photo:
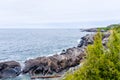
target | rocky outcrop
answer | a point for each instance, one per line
(105, 38)
(9, 69)
(68, 58)
(56, 63)
(89, 39)
(86, 40)
(92, 30)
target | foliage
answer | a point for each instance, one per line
(113, 26)
(100, 63)
(104, 28)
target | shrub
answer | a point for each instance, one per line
(100, 63)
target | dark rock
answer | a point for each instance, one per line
(104, 41)
(86, 40)
(106, 35)
(102, 30)
(89, 39)
(93, 30)
(54, 64)
(105, 38)
(9, 69)
(68, 58)
(90, 30)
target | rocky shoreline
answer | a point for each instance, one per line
(68, 58)
(92, 30)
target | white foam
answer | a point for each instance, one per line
(78, 41)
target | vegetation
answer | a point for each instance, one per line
(109, 27)
(100, 63)
(105, 28)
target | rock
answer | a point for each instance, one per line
(68, 58)
(105, 38)
(104, 41)
(54, 64)
(9, 69)
(89, 39)
(90, 30)
(93, 30)
(102, 30)
(106, 35)
(86, 40)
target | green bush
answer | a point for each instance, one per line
(100, 63)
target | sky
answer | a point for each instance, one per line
(35, 13)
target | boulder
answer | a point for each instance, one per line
(86, 40)
(9, 69)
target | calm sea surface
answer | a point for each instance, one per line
(23, 44)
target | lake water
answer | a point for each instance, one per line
(23, 44)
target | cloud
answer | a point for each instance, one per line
(18, 12)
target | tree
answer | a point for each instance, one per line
(100, 63)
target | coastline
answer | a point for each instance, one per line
(63, 61)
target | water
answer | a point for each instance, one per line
(23, 44)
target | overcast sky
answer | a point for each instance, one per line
(19, 13)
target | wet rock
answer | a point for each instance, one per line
(9, 69)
